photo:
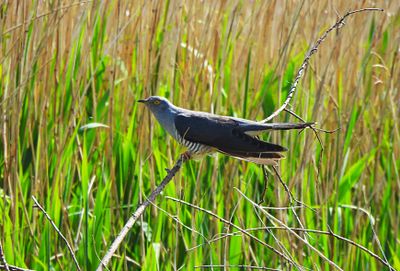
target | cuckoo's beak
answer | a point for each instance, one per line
(142, 101)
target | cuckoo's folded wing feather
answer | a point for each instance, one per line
(222, 133)
(251, 127)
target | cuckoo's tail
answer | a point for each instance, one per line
(256, 129)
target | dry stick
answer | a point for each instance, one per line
(14, 268)
(3, 259)
(8, 267)
(265, 174)
(278, 242)
(272, 218)
(291, 198)
(328, 233)
(290, 194)
(58, 231)
(315, 130)
(313, 50)
(223, 220)
(371, 222)
(140, 210)
(383, 261)
(176, 219)
(241, 266)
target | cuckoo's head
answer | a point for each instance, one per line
(156, 104)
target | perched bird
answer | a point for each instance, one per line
(205, 133)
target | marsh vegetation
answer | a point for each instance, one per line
(65, 64)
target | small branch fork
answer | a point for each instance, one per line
(13, 268)
(8, 267)
(243, 231)
(306, 60)
(58, 231)
(339, 23)
(140, 210)
(328, 233)
(3, 262)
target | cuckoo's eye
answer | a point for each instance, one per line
(156, 102)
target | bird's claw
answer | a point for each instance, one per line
(186, 156)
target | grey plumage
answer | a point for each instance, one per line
(204, 133)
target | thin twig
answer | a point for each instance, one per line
(223, 220)
(58, 231)
(176, 219)
(331, 233)
(140, 210)
(315, 130)
(272, 218)
(290, 194)
(241, 266)
(265, 174)
(327, 131)
(372, 223)
(13, 268)
(328, 233)
(339, 23)
(3, 259)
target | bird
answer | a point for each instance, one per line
(205, 133)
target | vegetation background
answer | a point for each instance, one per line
(68, 63)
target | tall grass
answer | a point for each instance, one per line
(65, 64)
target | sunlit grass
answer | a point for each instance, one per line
(65, 65)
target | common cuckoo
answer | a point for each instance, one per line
(205, 133)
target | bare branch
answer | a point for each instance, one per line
(265, 174)
(140, 210)
(58, 231)
(3, 259)
(339, 23)
(289, 193)
(272, 218)
(241, 266)
(13, 268)
(178, 221)
(331, 233)
(223, 220)
(328, 233)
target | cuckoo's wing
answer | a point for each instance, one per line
(222, 133)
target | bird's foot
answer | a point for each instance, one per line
(186, 156)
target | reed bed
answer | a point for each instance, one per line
(65, 64)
